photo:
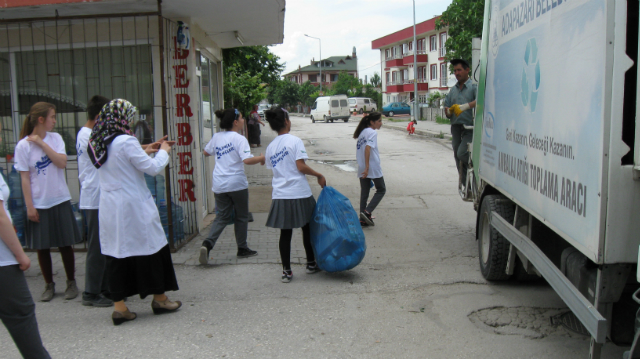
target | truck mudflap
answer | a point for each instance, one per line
(593, 321)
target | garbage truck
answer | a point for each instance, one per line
(554, 171)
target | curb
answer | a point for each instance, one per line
(425, 133)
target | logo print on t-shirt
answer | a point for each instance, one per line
(42, 165)
(221, 151)
(79, 150)
(278, 157)
(361, 142)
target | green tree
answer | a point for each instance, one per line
(285, 93)
(434, 97)
(306, 93)
(375, 80)
(347, 85)
(255, 60)
(464, 19)
(242, 90)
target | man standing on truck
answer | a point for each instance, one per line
(458, 104)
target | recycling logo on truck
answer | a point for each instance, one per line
(530, 76)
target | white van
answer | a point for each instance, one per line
(329, 108)
(361, 104)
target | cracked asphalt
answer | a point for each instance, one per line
(417, 294)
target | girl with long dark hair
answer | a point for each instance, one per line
(369, 165)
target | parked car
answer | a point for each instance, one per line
(263, 107)
(361, 104)
(329, 108)
(396, 108)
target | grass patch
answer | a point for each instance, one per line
(442, 120)
(441, 135)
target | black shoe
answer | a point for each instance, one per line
(312, 268)
(363, 223)
(287, 276)
(95, 300)
(366, 217)
(246, 252)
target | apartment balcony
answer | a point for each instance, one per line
(421, 57)
(395, 86)
(394, 61)
(408, 85)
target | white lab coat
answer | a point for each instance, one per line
(129, 219)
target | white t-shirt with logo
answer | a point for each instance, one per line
(87, 173)
(368, 137)
(229, 149)
(6, 256)
(281, 156)
(48, 182)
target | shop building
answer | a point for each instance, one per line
(163, 56)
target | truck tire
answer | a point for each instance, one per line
(493, 248)
(313, 120)
(346, 120)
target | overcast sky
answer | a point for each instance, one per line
(343, 24)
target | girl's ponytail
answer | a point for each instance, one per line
(366, 122)
(39, 109)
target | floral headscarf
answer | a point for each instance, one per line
(114, 120)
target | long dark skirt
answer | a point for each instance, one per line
(254, 134)
(143, 275)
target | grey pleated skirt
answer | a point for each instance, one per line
(290, 213)
(57, 228)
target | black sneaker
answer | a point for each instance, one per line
(312, 268)
(246, 252)
(204, 254)
(95, 300)
(286, 276)
(366, 217)
(363, 223)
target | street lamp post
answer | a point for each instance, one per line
(415, 67)
(320, 41)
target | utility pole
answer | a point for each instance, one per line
(415, 67)
(320, 41)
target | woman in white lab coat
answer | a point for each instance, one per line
(131, 235)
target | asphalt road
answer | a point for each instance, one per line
(417, 294)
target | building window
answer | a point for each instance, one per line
(334, 77)
(443, 39)
(313, 78)
(434, 72)
(434, 43)
(387, 77)
(386, 53)
(394, 76)
(405, 75)
(443, 74)
(410, 45)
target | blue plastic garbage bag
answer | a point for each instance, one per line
(336, 234)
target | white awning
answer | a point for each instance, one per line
(258, 22)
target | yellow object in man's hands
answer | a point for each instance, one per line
(458, 109)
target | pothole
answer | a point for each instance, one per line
(530, 322)
(347, 166)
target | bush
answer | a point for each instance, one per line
(442, 120)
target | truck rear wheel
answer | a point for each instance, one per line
(313, 120)
(493, 248)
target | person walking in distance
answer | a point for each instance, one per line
(230, 185)
(17, 309)
(131, 235)
(457, 106)
(95, 283)
(41, 158)
(292, 202)
(369, 168)
(254, 127)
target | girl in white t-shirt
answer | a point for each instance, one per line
(230, 186)
(17, 310)
(369, 169)
(40, 157)
(292, 202)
